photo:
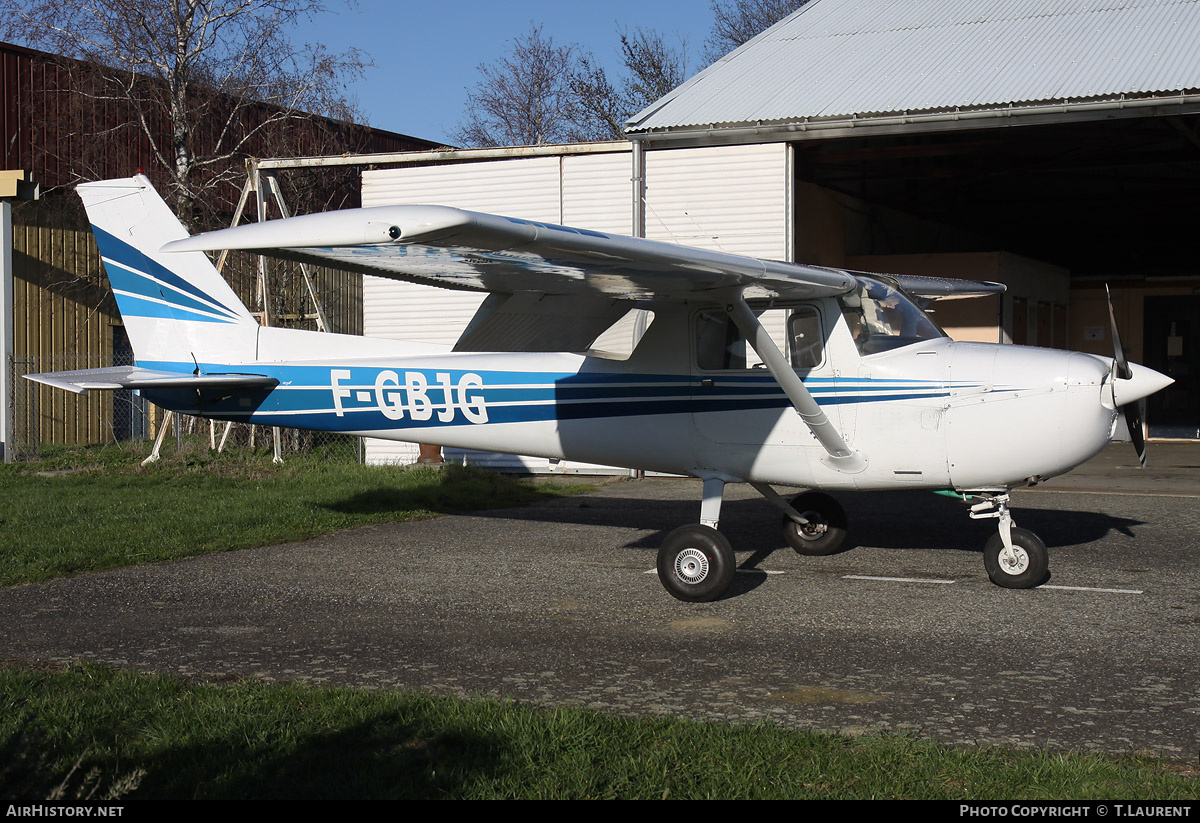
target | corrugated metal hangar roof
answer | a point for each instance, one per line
(841, 59)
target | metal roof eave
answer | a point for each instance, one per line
(444, 155)
(857, 125)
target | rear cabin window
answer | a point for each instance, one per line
(622, 337)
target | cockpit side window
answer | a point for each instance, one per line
(881, 317)
(796, 331)
(808, 343)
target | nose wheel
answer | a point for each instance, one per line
(1015, 558)
(1021, 565)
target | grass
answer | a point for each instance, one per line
(92, 730)
(79, 510)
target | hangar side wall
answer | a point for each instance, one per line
(729, 198)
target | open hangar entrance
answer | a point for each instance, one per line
(1112, 201)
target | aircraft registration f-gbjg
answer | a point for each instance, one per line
(750, 370)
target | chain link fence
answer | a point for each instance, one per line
(44, 416)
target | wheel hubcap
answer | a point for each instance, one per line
(1014, 560)
(815, 528)
(691, 565)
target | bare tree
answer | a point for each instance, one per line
(600, 103)
(541, 92)
(525, 98)
(652, 68)
(736, 21)
(655, 67)
(202, 81)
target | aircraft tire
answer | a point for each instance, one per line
(696, 563)
(827, 527)
(1027, 570)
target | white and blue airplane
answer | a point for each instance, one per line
(751, 370)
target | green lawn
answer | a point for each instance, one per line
(90, 729)
(81, 510)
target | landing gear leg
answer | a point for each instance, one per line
(1015, 558)
(696, 562)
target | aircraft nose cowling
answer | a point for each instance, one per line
(1087, 369)
(1143, 383)
(1038, 418)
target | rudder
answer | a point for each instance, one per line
(179, 312)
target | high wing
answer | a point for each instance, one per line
(459, 249)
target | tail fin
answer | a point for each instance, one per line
(179, 312)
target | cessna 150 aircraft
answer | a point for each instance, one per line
(862, 390)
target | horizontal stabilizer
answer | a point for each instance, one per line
(81, 381)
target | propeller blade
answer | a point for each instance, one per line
(1121, 371)
(1120, 364)
(1133, 419)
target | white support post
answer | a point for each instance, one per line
(6, 330)
(260, 204)
(13, 185)
(158, 441)
(638, 179)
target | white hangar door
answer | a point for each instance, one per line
(732, 198)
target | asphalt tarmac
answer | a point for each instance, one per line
(558, 604)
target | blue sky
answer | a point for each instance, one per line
(426, 55)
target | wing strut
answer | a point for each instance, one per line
(840, 455)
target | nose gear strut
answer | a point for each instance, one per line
(1015, 558)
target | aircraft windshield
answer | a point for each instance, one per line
(882, 318)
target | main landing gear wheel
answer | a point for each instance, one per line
(1025, 567)
(696, 563)
(826, 527)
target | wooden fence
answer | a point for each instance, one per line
(65, 317)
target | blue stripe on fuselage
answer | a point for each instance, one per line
(360, 398)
